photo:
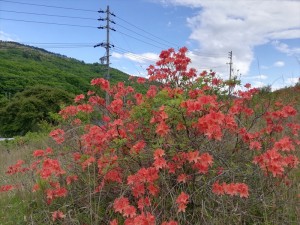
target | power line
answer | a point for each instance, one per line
(48, 6)
(52, 23)
(52, 45)
(60, 43)
(147, 32)
(130, 60)
(143, 35)
(85, 18)
(44, 14)
(139, 39)
(83, 26)
(46, 47)
(134, 55)
(131, 64)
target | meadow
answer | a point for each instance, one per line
(183, 152)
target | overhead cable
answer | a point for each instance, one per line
(48, 6)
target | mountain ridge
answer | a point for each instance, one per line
(35, 83)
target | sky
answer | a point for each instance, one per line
(263, 35)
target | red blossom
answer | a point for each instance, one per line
(153, 189)
(113, 222)
(138, 98)
(217, 188)
(58, 135)
(50, 167)
(68, 111)
(38, 153)
(86, 108)
(88, 162)
(158, 153)
(255, 145)
(57, 192)
(71, 179)
(104, 84)
(96, 101)
(17, 168)
(116, 106)
(138, 147)
(182, 201)
(231, 189)
(160, 163)
(284, 144)
(129, 211)
(57, 215)
(90, 93)
(78, 98)
(5, 188)
(162, 129)
(182, 178)
(143, 202)
(172, 222)
(141, 80)
(35, 187)
(152, 91)
(120, 204)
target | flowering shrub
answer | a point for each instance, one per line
(182, 153)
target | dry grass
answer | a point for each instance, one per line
(20, 148)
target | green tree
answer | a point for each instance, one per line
(27, 109)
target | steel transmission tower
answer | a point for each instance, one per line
(107, 45)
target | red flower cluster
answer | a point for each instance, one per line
(6, 188)
(182, 201)
(140, 150)
(17, 168)
(122, 206)
(231, 189)
(102, 83)
(58, 135)
(57, 192)
(57, 215)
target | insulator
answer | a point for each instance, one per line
(97, 45)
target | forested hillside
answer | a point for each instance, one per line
(35, 82)
(25, 66)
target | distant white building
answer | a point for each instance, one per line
(3, 139)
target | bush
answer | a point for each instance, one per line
(183, 153)
(27, 109)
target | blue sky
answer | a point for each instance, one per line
(264, 35)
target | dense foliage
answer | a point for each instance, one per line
(24, 67)
(183, 153)
(27, 109)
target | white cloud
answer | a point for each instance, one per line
(258, 77)
(284, 48)
(117, 55)
(239, 25)
(279, 64)
(264, 67)
(292, 80)
(258, 84)
(7, 37)
(281, 82)
(139, 58)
